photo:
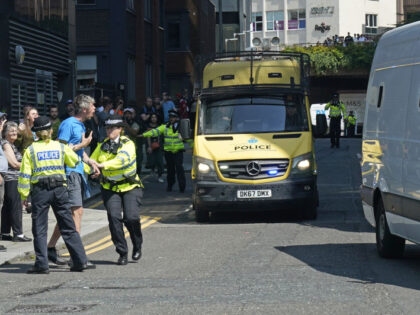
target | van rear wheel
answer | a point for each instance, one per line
(388, 245)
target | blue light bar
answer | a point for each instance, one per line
(273, 172)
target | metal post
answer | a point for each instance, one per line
(19, 101)
(220, 26)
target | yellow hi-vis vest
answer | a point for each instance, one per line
(43, 159)
(336, 110)
(118, 167)
(172, 140)
(351, 121)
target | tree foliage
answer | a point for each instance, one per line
(334, 59)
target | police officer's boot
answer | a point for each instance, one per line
(122, 260)
(54, 258)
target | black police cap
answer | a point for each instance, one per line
(173, 113)
(41, 123)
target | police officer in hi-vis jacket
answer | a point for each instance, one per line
(42, 169)
(121, 187)
(337, 111)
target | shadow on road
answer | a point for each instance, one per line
(355, 261)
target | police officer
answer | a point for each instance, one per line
(121, 187)
(351, 124)
(337, 111)
(43, 168)
(173, 148)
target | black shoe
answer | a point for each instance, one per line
(29, 209)
(21, 239)
(6, 237)
(122, 260)
(54, 258)
(37, 270)
(87, 265)
(2, 248)
(168, 188)
(136, 254)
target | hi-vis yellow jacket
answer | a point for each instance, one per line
(120, 167)
(172, 140)
(336, 110)
(43, 159)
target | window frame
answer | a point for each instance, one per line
(256, 22)
(272, 20)
(299, 19)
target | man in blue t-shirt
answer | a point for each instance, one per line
(72, 132)
(167, 105)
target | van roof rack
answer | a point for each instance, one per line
(301, 58)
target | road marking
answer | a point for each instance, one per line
(96, 204)
(145, 221)
(126, 234)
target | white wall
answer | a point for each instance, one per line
(346, 16)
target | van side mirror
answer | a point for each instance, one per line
(184, 129)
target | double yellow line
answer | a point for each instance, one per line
(107, 242)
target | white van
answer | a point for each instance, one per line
(391, 141)
(320, 109)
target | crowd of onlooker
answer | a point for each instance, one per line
(347, 40)
(17, 136)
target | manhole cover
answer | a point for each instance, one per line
(50, 308)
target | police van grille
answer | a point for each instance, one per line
(237, 169)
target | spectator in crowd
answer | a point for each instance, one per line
(362, 38)
(154, 148)
(103, 116)
(167, 105)
(132, 128)
(11, 214)
(55, 121)
(3, 169)
(348, 40)
(25, 134)
(183, 109)
(69, 110)
(148, 109)
(119, 105)
(157, 104)
(72, 131)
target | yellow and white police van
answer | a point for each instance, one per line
(253, 148)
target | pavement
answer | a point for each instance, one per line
(93, 220)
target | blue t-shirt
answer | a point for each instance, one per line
(71, 131)
(167, 106)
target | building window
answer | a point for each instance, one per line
(149, 79)
(130, 5)
(148, 9)
(131, 78)
(257, 21)
(371, 24)
(296, 19)
(275, 20)
(174, 35)
(86, 2)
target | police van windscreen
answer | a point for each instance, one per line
(253, 115)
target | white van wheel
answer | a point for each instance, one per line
(388, 245)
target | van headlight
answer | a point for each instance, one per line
(303, 165)
(204, 169)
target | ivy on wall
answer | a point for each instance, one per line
(334, 59)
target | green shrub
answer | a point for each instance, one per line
(334, 59)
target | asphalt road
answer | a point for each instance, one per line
(260, 263)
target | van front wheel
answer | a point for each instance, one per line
(388, 245)
(201, 215)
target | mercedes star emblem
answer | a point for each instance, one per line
(253, 168)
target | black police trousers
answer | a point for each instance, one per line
(350, 130)
(58, 198)
(124, 207)
(335, 130)
(174, 164)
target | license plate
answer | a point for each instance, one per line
(263, 193)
